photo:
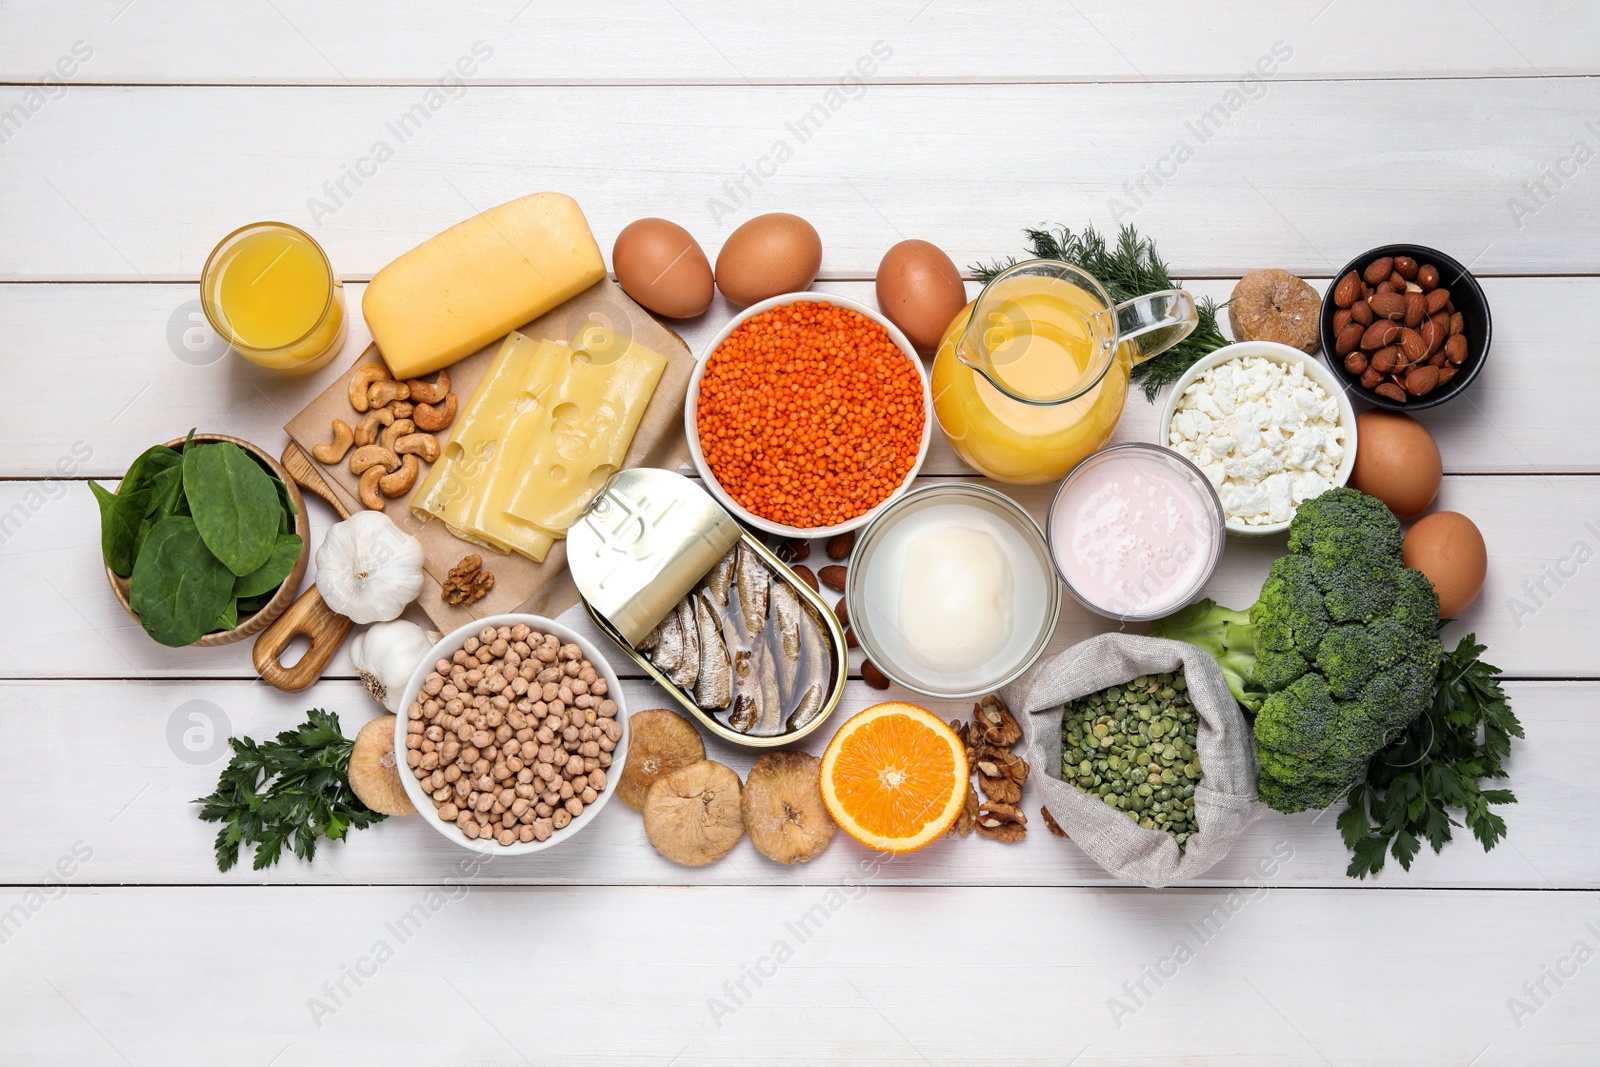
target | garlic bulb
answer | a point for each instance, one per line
(386, 653)
(368, 568)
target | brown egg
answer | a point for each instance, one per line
(662, 266)
(920, 290)
(1448, 548)
(1396, 461)
(767, 256)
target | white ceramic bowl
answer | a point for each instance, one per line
(692, 401)
(1314, 369)
(444, 648)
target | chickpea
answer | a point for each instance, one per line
(589, 749)
(561, 818)
(524, 790)
(542, 809)
(471, 831)
(448, 811)
(440, 795)
(588, 796)
(452, 773)
(429, 761)
(484, 802)
(484, 782)
(603, 760)
(597, 779)
(433, 683)
(413, 758)
(542, 829)
(566, 791)
(598, 688)
(520, 805)
(608, 708)
(574, 805)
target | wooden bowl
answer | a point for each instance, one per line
(251, 624)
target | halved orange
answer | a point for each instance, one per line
(895, 777)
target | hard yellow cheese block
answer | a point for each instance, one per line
(479, 280)
(544, 429)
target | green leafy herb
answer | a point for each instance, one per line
(1435, 767)
(270, 575)
(234, 505)
(125, 512)
(293, 791)
(1130, 268)
(179, 589)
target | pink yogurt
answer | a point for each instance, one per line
(1135, 531)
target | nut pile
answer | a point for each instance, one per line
(512, 735)
(1001, 772)
(394, 435)
(1133, 746)
(1397, 329)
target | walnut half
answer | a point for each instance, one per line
(467, 581)
(1002, 822)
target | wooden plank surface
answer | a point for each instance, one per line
(859, 974)
(187, 166)
(160, 744)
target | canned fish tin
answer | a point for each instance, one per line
(706, 610)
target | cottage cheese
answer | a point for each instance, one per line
(1265, 434)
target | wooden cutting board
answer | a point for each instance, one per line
(520, 583)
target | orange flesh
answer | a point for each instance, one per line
(893, 775)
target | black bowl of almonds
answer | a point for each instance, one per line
(1407, 326)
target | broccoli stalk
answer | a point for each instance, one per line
(1336, 658)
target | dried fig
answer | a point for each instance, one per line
(1274, 305)
(782, 807)
(375, 772)
(661, 742)
(692, 815)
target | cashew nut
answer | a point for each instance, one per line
(424, 445)
(430, 394)
(363, 379)
(402, 409)
(332, 453)
(368, 456)
(397, 483)
(383, 394)
(367, 429)
(394, 431)
(433, 419)
(370, 497)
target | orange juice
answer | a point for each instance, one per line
(269, 290)
(1043, 337)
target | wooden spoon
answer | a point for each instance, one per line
(309, 616)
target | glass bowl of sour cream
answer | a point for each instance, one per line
(1135, 531)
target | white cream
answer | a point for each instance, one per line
(956, 593)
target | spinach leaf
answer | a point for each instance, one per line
(166, 493)
(179, 588)
(249, 605)
(286, 520)
(120, 517)
(229, 617)
(234, 505)
(270, 575)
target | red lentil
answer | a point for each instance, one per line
(810, 414)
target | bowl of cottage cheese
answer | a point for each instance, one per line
(1268, 425)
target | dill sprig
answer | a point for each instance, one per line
(1129, 269)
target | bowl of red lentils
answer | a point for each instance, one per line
(808, 414)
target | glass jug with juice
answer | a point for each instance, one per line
(1031, 377)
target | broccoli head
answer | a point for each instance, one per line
(1337, 656)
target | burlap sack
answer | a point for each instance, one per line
(1225, 801)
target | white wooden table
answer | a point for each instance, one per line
(134, 133)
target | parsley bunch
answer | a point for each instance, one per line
(1435, 766)
(1131, 268)
(294, 791)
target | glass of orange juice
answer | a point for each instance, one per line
(1030, 378)
(270, 292)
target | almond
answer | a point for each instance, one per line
(1380, 333)
(1457, 326)
(1341, 319)
(1406, 266)
(1432, 336)
(1397, 280)
(841, 613)
(1455, 349)
(1370, 378)
(1416, 309)
(1355, 363)
(1428, 277)
(1437, 359)
(1384, 360)
(1348, 291)
(1392, 391)
(1348, 340)
(1412, 344)
(1446, 372)
(1437, 299)
(833, 577)
(1421, 380)
(1379, 270)
(1388, 306)
(873, 676)
(839, 545)
(1362, 313)
(805, 574)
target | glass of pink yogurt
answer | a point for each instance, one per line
(1135, 530)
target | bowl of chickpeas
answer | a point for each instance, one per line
(513, 729)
